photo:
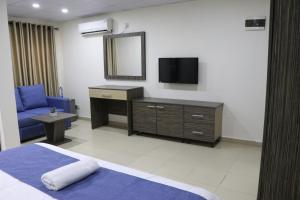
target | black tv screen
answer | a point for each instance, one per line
(178, 70)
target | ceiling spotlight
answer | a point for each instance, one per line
(64, 10)
(36, 5)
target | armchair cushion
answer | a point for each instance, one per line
(33, 96)
(24, 119)
(42, 111)
(59, 103)
(20, 107)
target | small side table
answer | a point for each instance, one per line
(55, 127)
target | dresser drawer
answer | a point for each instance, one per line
(198, 114)
(108, 94)
(203, 132)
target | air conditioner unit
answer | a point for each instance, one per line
(101, 26)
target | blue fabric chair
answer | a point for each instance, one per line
(32, 101)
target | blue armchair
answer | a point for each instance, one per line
(32, 101)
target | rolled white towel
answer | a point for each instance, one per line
(69, 174)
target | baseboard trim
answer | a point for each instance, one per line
(84, 118)
(239, 141)
(117, 125)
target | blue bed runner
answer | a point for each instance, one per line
(29, 163)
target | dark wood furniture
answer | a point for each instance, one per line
(55, 127)
(111, 99)
(192, 120)
(280, 164)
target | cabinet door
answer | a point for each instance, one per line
(170, 120)
(144, 117)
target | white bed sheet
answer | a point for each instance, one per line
(119, 168)
(13, 189)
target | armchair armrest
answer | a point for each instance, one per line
(58, 102)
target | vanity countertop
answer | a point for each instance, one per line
(179, 102)
(115, 87)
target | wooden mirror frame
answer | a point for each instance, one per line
(143, 56)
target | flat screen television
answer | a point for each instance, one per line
(178, 70)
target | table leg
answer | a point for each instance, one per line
(129, 118)
(55, 132)
(99, 112)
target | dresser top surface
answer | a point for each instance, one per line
(180, 102)
(115, 87)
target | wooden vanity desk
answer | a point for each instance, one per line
(112, 99)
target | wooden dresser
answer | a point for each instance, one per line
(191, 120)
(111, 99)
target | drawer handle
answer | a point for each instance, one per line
(106, 96)
(151, 106)
(160, 107)
(197, 133)
(198, 116)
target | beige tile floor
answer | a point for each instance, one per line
(230, 170)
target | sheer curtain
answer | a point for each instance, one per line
(33, 55)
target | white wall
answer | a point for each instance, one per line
(233, 62)
(9, 132)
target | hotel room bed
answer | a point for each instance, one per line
(110, 182)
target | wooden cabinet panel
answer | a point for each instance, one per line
(280, 163)
(144, 117)
(170, 120)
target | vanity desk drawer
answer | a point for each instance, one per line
(108, 94)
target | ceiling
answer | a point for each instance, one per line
(51, 9)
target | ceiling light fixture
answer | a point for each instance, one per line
(64, 10)
(36, 5)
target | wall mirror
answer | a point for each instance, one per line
(125, 56)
